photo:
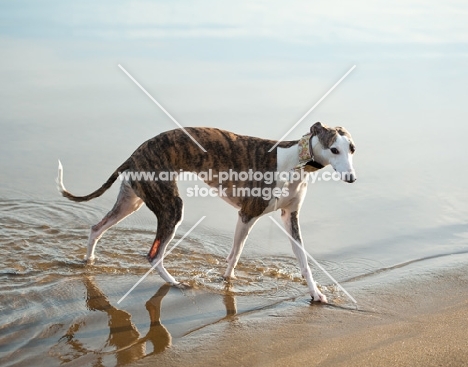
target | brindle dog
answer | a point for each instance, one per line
(174, 151)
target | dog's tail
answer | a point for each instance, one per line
(94, 194)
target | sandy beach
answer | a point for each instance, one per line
(414, 323)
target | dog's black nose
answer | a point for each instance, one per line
(351, 178)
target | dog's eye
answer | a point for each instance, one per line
(352, 148)
(335, 151)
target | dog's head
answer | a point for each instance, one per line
(334, 146)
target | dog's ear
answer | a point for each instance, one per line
(316, 128)
(342, 131)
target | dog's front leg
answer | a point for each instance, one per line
(243, 228)
(291, 223)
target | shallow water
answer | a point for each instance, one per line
(63, 96)
(55, 309)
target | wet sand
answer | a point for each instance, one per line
(418, 321)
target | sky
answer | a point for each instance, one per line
(300, 21)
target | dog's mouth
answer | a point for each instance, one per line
(348, 177)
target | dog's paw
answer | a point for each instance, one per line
(229, 275)
(88, 261)
(181, 285)
(319, 297)
(229, 278)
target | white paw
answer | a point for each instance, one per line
(180, 285)
(319, 297)
(89, 260)
(229, 278)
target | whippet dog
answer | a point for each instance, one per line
(174, 151)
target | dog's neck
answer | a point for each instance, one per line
(307, 157)
(301, 155)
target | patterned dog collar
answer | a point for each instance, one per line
(305, 155)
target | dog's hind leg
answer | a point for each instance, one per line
(242, 231)
(127, 202)
(169, 217)
(291, 223)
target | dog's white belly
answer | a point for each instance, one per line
(296, 194)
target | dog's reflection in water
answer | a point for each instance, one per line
(229, 302)
(123, 334)
(157, 334)
(125, 341)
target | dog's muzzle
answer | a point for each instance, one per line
(350, 178)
